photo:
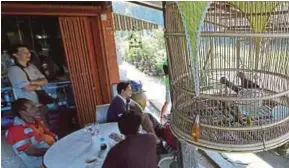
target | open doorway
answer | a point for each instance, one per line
(140, 46)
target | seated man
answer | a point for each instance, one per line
(122, 103)
(136, 150)
(28, 135)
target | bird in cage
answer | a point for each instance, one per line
(233, 75)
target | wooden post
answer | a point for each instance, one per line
(109, 42)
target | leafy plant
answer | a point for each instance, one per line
(151, 53)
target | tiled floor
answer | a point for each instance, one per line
(8, 158)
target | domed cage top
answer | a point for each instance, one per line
(232, 72)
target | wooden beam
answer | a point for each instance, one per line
(109, 48)
(247, 26)
(231, 15)
(283, 25)
(217, 24)
(230, 34)
(233, 12)
(267, 29)
(225, 7)
(49, 10)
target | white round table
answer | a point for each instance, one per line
(73, 150)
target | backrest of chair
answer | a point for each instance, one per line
(101, 113)
(114, 90)
(166, 162)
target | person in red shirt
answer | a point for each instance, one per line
(136, 150)
(29, 137)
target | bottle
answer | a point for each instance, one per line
(7, 98)
(60, 98)
(103, 149)
(6, 60)
(196, 128)
(3, 103)
(64, 100)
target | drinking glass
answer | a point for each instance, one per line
(97, 129)
(90, 129)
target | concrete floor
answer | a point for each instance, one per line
(155, 88)
(274, 160)
(8, 158)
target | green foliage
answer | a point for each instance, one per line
(151, 53)
(134, 54)
(160, 61)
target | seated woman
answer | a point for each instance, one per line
(28, 136)
(136, 150)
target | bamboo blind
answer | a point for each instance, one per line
(79, 50)
(122, 22)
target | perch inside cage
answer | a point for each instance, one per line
(231, 71)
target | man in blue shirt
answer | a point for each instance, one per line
(120, 103)
(22, 86)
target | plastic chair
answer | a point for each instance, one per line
(101, 113)
(168, 160)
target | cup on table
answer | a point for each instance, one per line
(96, 126)
(91, 129)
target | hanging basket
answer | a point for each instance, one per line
(232, 70)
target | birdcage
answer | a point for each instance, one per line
(229, 69)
